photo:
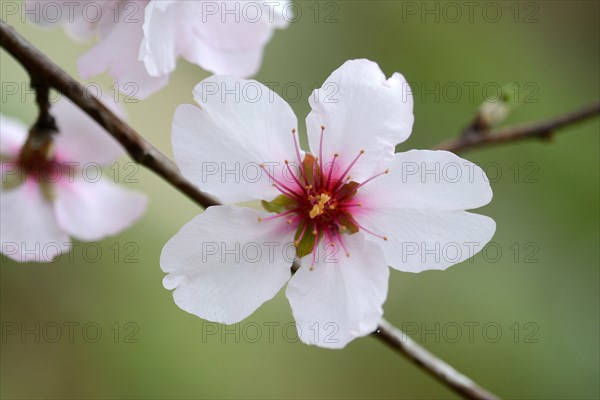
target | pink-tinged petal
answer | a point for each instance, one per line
(118, 52)
(342, 298)
(224, 263)
(420, 239)
(13, 134)
(82, 140)
(229, 38)
(28, 227)
(427, 179)
(93, 210)
(241, 125)
(360, 110)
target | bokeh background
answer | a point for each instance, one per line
(541, 290)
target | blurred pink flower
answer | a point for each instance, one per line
(45, 198)
(141, 40)
(347, 211)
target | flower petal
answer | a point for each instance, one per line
(360, 110)
(227, 39)
(232, 44)
(420, 240)
(419, 206)
(13, 134)
(28, 227)
(342, 298)
(224, 263)
(82, 140)
(118, 52)
(241, 62)
(241, 125)
(428, 179)
(165, 27)
(93, 210)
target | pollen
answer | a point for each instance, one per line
(318, 208)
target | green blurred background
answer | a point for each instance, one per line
(541, 291)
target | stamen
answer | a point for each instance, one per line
(283, 214)
(348, 169)
(277, 182)
(364, 183)
(297, 147)
(329, 238)
(350, 205)
(315, 246)
(297, 241)
(315, 182)
(368, 231)
(321, 149)
(373, 177)
(331, 171)
(288, 194)
(339, 238)
(287, 164)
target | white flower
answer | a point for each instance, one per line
(349, 210)
(50, 194)
(141, 40)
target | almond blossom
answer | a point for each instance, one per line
(348, 209)
(141, 40)
(50, 193)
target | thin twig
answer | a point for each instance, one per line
(400, 342)
(539, 130)
(42, 69)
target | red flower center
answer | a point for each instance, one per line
(319, 200)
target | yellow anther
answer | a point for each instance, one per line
(320, 207)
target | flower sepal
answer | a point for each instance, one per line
(279, 204)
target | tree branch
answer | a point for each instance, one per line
(436, 367)
(543, 130)
(43, 71)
